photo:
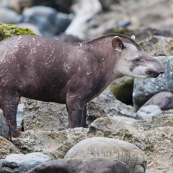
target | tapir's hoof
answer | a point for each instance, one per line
(17, 133)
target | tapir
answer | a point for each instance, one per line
(44, 69)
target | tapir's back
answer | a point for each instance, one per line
(33, 65)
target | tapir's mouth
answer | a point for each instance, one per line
(154, 74)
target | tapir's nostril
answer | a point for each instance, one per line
(152, 73)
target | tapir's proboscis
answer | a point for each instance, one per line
(73, 74)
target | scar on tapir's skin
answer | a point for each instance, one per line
(53, 71)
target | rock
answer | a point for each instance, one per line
(84, 10)
(48, 21)
(145, 34)
(122, 89)
(6, 148)
(9, 16)
(113, 107)
(162, 99)
(106, 5)
(53, 143)
(144, 89)
(44, 116)
(94, 165)
(17, 5)
(29, 26)
(147, 112)
(100, 147)
(8, 30)
(3, 126)
(158, 46)
(21, 163)
(59, 5)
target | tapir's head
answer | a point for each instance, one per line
(132, 61)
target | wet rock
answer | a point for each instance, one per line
(122, 89)
(96, 165)
(3, 126)
(46, 19)
(84, 11)
(8, 30)
(9, 16)
(21, 163)
(147, 112)
(53, 143)
(158, 45)
(6, 148)
(162, 99)
(144, 89)
(110, 148)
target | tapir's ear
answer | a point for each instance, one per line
(117, 44)
(133, 37)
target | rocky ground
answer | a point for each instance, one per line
(44, 124)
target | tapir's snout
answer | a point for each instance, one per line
(155, 72)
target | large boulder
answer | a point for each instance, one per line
(144, 89)
(158, 46)
(53, 143)
(100, 147)
(23, 162)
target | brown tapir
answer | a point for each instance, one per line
(53, 71)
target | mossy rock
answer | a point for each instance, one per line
(123, 31)
(122, 89)
(9, 30)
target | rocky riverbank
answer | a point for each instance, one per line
(137, 119)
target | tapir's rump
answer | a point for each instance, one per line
(44, 69)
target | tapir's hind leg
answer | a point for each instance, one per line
(9, 102)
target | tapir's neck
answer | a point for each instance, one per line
(102, 51)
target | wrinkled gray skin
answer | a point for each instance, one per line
(93, 165)
(44, 69)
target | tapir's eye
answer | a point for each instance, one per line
(137, 60)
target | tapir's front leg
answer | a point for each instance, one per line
(76, 108)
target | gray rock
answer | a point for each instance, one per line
(52, 143)
(147, 112)
(48, 21)
(144, 89)
(100, 147)
(9, 16)
(20, 163)
(158, 46)
(113, 107)
(94, 165)
(162, 99)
